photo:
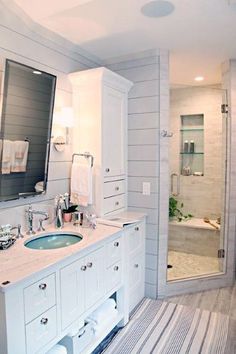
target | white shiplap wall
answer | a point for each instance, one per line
(28, 43)
(143, 69)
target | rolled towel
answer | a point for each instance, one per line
(103, 311)
(98, 328)
(57, 349)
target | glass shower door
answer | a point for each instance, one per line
(197, 188)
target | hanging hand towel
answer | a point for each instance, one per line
(19, 156)
(7, 156)
(81, 183)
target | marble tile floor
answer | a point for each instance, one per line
(186, 265)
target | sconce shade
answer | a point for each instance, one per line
(65, 117)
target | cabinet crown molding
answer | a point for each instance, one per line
(101, 75)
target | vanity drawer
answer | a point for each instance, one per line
(41, 330)
(114, 203)
(114, 276)
(39, 297)
(113, 251)
(114, 188)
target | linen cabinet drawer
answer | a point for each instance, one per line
(114, 276)
(114, 188)
(41, 330)
(114, 203)
(39, 297)
(113, 251)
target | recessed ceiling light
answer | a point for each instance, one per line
(157, 8)
(199, 78)
(36, 72)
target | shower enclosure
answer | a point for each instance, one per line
(197, 166)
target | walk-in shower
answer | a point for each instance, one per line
(197, 182)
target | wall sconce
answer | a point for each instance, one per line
(64, 118)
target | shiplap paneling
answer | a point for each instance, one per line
(143, 146)
(28, 43)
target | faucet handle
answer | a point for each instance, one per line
(19, 234)
(41, 228)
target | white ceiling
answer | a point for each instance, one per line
(200, 34)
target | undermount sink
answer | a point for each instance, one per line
(53, 240)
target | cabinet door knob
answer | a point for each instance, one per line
(136, 265)
(117, 188)
(83, 268)
(89, 265)
(117, 203)
(107, 169)
(116, 268)
(136, 228)
(116, 244)
(42, 286)
(44, 321)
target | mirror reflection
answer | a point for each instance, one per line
(27, 105)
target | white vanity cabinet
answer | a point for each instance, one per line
(82, 285)
(135, 260)
(100, 99)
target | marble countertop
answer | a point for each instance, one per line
(19, 262)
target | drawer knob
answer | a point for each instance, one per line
(44, 321)
(116, 244)
(107, 169)
(83, 268)
(136, 265)
(116, 268)
(117, 188)
(89, 265)
(117, 203)
(136, 228)
(42, 286)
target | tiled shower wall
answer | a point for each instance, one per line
(148, 71)
(201, 196)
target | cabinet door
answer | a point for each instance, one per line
(114, 111)
(94, 277)
(72, 292)
(136, 279)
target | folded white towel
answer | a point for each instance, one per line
(81, 183)
(57, 349)
(103, 311)
(7, 156)
(19, 156)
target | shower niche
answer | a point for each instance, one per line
(192, 145)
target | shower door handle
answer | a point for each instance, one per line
(172, 184)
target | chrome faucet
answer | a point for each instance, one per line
(59, 202)
(30, 213)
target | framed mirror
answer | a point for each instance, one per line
(26, 122)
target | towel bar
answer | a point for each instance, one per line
(87, 155)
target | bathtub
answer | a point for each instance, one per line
(194, 236)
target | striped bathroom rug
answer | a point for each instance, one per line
(161, 327)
